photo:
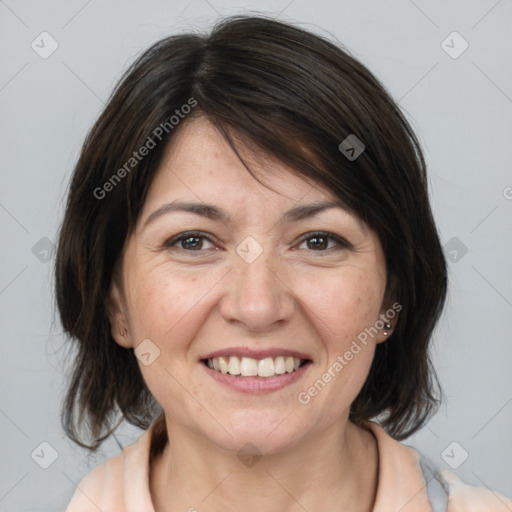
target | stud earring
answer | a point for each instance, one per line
(122, 332)
(387, 326)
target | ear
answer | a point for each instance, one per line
(117, 314)
(389, 313)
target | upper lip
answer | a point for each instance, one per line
(256, 353)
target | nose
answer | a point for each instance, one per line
(258, 295)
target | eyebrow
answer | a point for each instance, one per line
(215, 213)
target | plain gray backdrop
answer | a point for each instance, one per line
(448, 65)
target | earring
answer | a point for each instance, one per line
(387, 326)
(122, 332)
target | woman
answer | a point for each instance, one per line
(250, 268)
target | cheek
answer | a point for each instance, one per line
(345, 304)
(170, 305)
(170, 308)
(341, 309)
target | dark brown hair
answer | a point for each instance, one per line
(295, 96)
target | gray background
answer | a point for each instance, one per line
(460, 107)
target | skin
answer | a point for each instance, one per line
(189, 302)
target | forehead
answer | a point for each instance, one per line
(199, 164)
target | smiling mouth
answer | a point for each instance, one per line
(249, 367)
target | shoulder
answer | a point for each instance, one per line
(410, 480)
(467, 498)
(119, 480)
(101, 488)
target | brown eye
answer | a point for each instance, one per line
(317, 242)
(192, 242)
(189, 242)
(320, 242)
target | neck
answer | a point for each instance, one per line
(334, 470)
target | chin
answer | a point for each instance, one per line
(264, 434)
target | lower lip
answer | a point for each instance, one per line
(257, 384)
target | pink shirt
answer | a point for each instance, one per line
(121, 484)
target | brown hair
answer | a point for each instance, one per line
(296, 96)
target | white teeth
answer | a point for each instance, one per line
(249, 367)
(223, 364)
(234, 366)
(279, 366)
(266, 367)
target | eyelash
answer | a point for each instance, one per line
(342, 244)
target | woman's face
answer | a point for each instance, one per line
(257, 281)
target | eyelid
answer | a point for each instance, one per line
(342, 243)
(171, 242)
